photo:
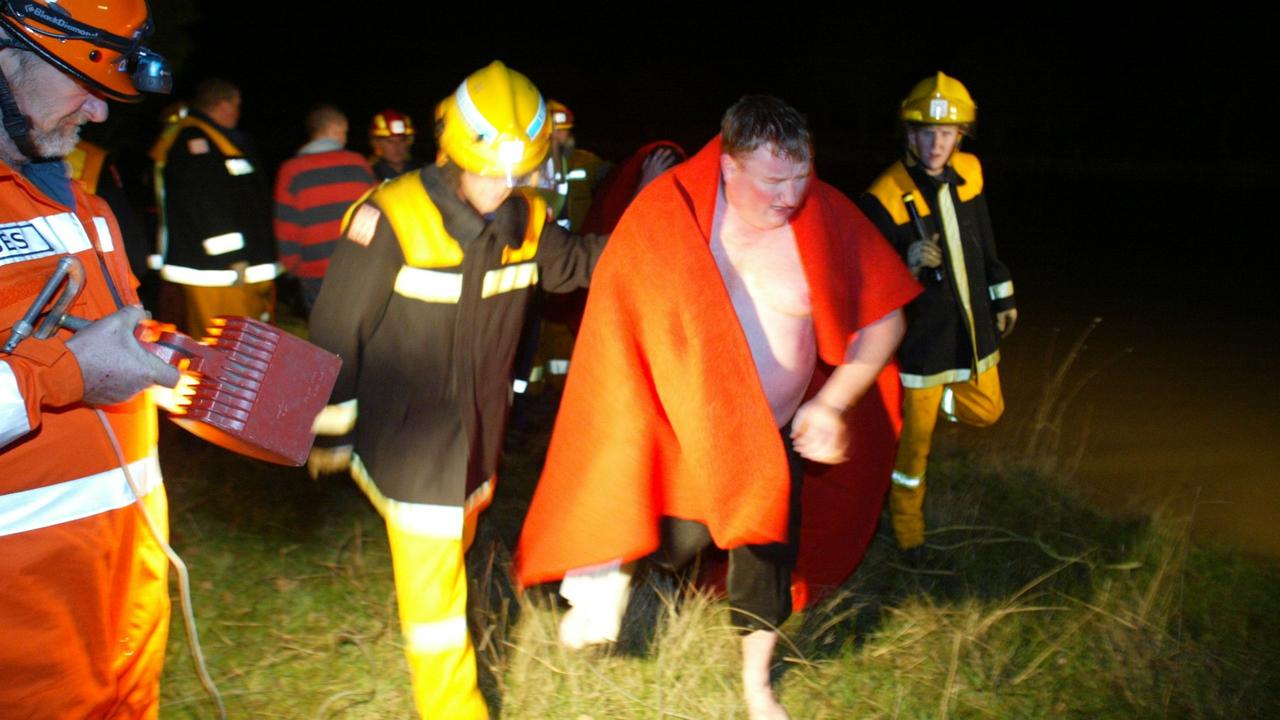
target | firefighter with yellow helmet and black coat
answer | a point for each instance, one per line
(424, 301)
(931, 206)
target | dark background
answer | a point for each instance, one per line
(1128, 160)
(1115, 145)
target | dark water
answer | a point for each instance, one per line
(1184, 409)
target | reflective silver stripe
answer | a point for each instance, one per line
(511, 277)
(238, 166)
(475, 119)
(13, 410)
(155, 261)
(442, 522)
(42, 237)
(104, 234)
(438, 636)
(948, 404)
(519, 386)
(1001, 291)
(67, 228)
(263, 272)
(336, 419)
(76, 499)
(579, 174)
(218, 278)
(430, 286)
(946, 377)
(223, 244)
(906, 481)
(539, 119)
(558, 367)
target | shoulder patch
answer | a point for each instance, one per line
(363, 224)
(198, 146)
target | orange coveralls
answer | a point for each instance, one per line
(85, 607)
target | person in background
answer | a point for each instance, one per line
(391, 135)
(314, 190)
(948, 358)
(216, 240)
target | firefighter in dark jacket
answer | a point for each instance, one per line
(948, 358)
(424, 301)
(216, 240)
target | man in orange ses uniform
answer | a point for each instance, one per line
(85, 607)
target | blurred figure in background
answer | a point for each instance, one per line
(314, 190)
(391, 136)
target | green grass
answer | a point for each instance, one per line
(1032, 606)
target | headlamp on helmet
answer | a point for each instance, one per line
(97, 41)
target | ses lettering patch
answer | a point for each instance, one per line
(22, 241)
(363, 224)
(198, 146)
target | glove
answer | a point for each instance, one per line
(924, 254)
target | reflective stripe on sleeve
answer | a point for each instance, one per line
(438, 636)
(430, 286)
(512, 277)
(238, 166)
(104, 234)
(338, 419)
(13, 410)
(1001, 291)
(76, 499)
(904, 480)
(223, 244)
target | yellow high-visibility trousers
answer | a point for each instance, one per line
(431, 589)
(977, 403)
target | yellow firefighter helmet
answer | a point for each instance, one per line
(495, 124)
(939, 100)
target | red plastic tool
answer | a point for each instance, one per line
(250, 388)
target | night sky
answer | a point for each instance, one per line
(1132, 135)
(1126, 155)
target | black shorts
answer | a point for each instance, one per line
(759, 581)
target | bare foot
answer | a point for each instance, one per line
(757, 656)
(762, 705)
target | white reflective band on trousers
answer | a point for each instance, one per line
(76, 499)
(904, 480)
(219, 278)
(13, 411)
(438, 636)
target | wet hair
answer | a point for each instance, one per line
(211, 92)
(321, 117)
(757, 120)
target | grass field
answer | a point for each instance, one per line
(1032, 606)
